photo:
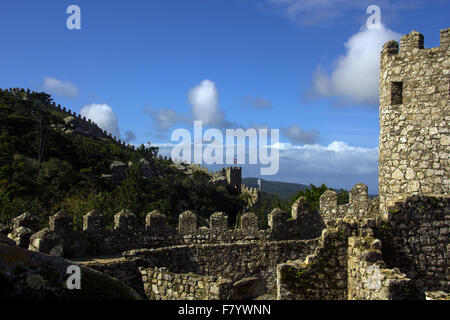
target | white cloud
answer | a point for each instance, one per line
(165, 118)
(328, 12)
(55, 86)
(129, 136)
(257, 102)
(103, 115)
(296, 134)
(204, 100)
(356, 74)
(337, 164)
(310, 11)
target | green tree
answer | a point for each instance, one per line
(312, 195)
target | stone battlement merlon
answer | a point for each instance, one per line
(445, 39)
(359, 204)
(413, 43)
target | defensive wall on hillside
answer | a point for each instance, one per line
(82, 124)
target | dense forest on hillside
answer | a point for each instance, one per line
(44, 169)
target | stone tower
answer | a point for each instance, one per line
(234, 177)
(414, 138)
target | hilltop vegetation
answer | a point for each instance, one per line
(312, 193)
(45, 168)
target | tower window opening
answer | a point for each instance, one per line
(396, 93)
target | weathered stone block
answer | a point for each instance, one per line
(218, 222)
(26, 220)
(94, 221)
(125, 220)
(21, 235)
(278, 223)
(187, 223)
(249, 222)
(328, 202)
(156, 223)
(299, 208)
(61, 223)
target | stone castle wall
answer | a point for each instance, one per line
(253, 194)
(160, 284)
(323, 274)
(359, 205)
(414, 141)
(96, 239)
(368, 276)
(370, 258)
(234, 177)
(124, 270)
(233, 261)
(415, 239)
(347, 264)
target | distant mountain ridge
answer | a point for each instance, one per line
(284, 190)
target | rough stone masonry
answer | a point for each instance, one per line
(414, 119)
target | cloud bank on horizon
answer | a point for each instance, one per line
(316, 164)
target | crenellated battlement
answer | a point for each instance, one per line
(359, 204)
(413, 44)
(96, 238)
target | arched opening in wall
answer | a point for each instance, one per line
(396, 92)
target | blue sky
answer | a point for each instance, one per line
(144, 68)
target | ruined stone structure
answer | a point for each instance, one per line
(414, 119)
(392, 247)
(96, 239)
